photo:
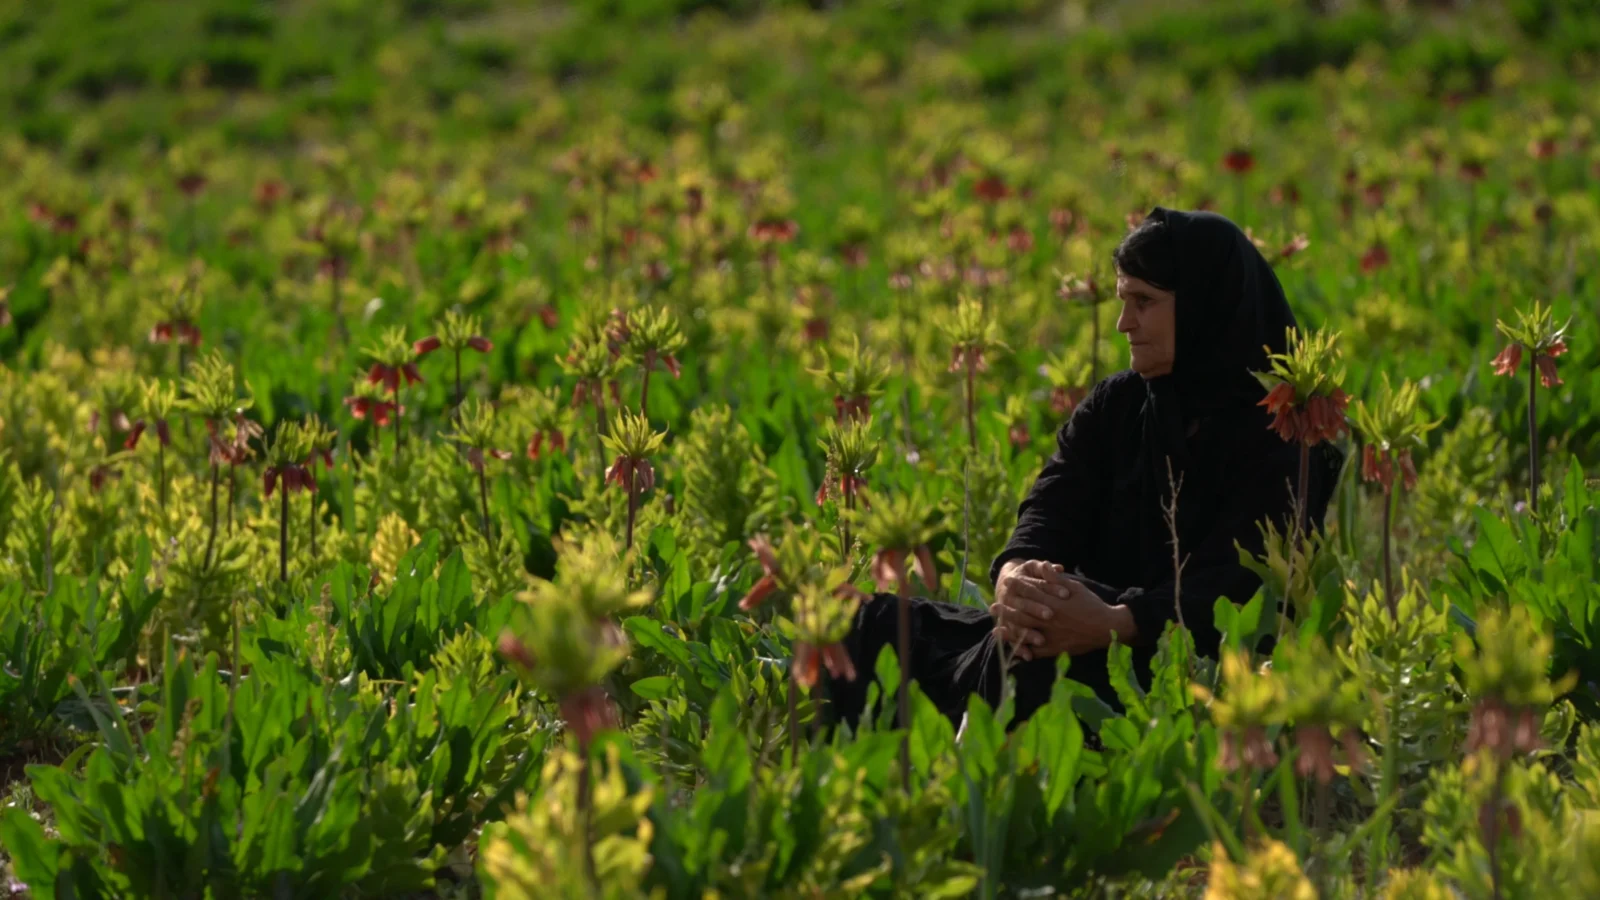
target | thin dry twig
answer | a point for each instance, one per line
(1169, 511)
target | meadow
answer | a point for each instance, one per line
(403, 405)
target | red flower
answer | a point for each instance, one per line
(1296, 244)
(295, 479)
(990, 189)
(1376, 257)
(587, 712)
(390, 376)
(642, 472)
(1542, 148)
(838, 661)
(558, 441)
(269, 192)
(848, 484)
(475, 457)
(1509, 359)
(773, 231)
(480, 343)
(1316, 753)
(769, 567)
(426, 345)
(1547, 370)
(180, 330)
(1408, 470)
(1064, 400)
(378, 410)
(1020, 240)
(962, 356)
(1238, 161)
(858, 406)
(889, 567)
(1019, 435)
(1472, 170)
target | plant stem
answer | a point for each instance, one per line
(1533, 438)
(903, 642)
(599, 432)
(161, 474)
(585, 814)
(283, 536)
(313, 531)
(458, 384)
(1294, 537)
(211, 538)
(632, 510)
(483, 500)
(794, 714)
(644, 393)
(1388, 558)
(1491, 836)
(395, 396)
(233, 490)
(972, 423)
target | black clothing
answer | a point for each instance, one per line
(1096, 507)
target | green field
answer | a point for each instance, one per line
(295, 602)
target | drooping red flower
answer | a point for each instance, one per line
(848, 484)
(857, 406)
(771, 230)
(371, 407)
(390, 376)
(475, 457)
(1064, 400)
(558, 442)
(1314, 420)
(768, 582)
(179, 331)
(962, 356)
(643, 473)
(889, 567)
(295, 478)
(1239, 161)
(1542, 148)
(1376, 257)
(1508, 360)
(1296, 244)
(587, 712)
(991, 189)
(1547, 370)
(426, 345)
(1315, 743)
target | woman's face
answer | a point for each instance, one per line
(1149, 322)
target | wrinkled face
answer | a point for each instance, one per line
(1148, 320)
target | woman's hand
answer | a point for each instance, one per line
(1045, 612)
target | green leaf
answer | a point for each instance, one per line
(656, 687)
(34, 858)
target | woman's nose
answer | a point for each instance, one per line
(1125, 320)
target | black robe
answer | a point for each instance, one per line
(1096, 507)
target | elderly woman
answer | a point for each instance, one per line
(1091, 558)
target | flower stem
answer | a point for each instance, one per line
(483, 500)
(283, 536)
(233, 490)
(398, 429)
(1533, 439)
(1388, 557)
(313, 531)
(903, 642)
(1294, 537)
(161, 474)
(599, 433)
(458, 383)
(585, 814)
(211, 538)
(644, 394)
(972, 423)
(632, 509)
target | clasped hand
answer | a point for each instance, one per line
(1042, 611)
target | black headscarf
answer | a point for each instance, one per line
(1230, 313)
